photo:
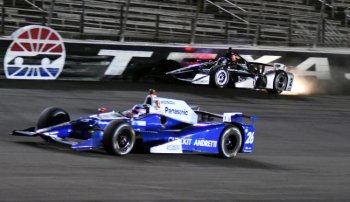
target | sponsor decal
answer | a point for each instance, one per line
(176, 111)
(196, 142)
(184, 141)
(205, 143)
(167, 102)
(250, 138)
(36, 53)
(173, 147)
(138, 123)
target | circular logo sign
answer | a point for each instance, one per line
(36, 53)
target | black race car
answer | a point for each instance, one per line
(238, 72)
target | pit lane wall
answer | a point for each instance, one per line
(100, 60)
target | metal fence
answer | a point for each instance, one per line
(170, 28)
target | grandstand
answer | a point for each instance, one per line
(254, 22)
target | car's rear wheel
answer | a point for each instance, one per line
(230, 142)
(51, 116)
(118, 138)
(279, 83)
(219, 77)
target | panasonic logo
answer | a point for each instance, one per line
(176, 111)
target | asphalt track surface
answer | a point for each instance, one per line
(302, 150)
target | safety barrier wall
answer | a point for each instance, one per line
(100, 60)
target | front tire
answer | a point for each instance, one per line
(51, 116)
(219, 77)
(230, 142)
(279, 83)
(118, 138)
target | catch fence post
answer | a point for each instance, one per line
(3, 18)
(157, 26)
(290, 30)
(82, 18)
(194, 23)
(257, 36)
(49, 21)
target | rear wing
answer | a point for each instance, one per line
(225, 117)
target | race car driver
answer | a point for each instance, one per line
(235, 61)
(137, 111)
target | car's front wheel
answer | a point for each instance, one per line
(230, 142)
(51, 116)
(118, 138)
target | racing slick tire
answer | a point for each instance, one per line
(49, 117)
(118, 138)
(230, 142)
(219, 77)
(279, 83)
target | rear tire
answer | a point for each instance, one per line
(219, 77)
(230, 142)
(279, 83)
(118, 138)
(49, 117)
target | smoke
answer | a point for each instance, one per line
(306, 86)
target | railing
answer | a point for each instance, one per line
(171, 28)
(334, 37)
(223, 9)
(347, 16)
(44, 13)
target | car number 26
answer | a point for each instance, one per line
(250, 138)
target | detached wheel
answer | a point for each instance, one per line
(118, 138)
(51, 116)
(219, 77)
(230, 142)
(279, 83)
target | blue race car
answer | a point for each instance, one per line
(162, 125)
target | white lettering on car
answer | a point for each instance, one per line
(184, 141)
(167, 102)
(173, 147)
(205, 143)
(250, 138)
(176, 111)
(121, 59)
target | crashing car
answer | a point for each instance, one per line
(161, 125)
(239, 73)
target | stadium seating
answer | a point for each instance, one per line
(260, 22)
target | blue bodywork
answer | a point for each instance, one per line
(152, 130)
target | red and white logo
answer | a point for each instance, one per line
(36, 53)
